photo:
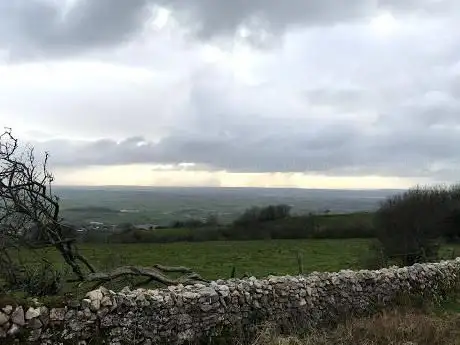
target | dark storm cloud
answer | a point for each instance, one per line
(43, 28)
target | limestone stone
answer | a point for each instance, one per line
(14, 329)
(3, 318)
(95, 295)
(32, 313)
(18, 316)
(34, 323)
(86, 303)
(106, 301)
(8, 309)
(57, 314)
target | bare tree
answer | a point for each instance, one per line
(29, 218)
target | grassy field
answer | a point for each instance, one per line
(215, 260)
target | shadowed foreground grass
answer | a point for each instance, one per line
(411, 321)
(393, 327)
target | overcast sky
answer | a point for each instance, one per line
(307, 93)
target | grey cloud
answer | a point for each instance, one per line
(221, 17)
(431, 109)
(334, 150)
(40, 28)
(424, 7)
(350, 99)
(224, 17)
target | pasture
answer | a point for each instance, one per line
(214, 260)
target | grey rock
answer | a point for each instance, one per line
(8, 309)
(18, 316)
(32, 313)
(44, 316)
(95, 305)
(34, 323)
(75, 325)
(4, 318)
(95, 295)
(206, 307)
(57, 314)
(85, 303)
(14, 329)
(6, 326)
(106, 301)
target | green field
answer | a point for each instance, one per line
(215, 260)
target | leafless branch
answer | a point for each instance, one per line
(154, 274)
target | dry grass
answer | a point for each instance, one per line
(389, 328)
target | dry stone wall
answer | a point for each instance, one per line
(180, 314)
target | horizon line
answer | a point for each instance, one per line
(221, 187)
